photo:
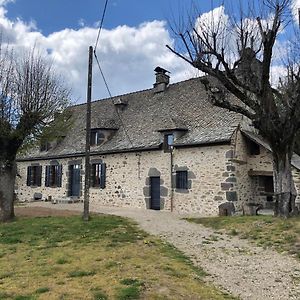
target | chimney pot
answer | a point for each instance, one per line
(162, 79)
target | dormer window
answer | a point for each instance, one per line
(253, 148)
(97, 137)
(168, 141)
(45, 146)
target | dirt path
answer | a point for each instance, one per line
(235, 265)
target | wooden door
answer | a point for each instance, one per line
(155, 193)
(75, 180)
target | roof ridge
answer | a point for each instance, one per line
(135, 92)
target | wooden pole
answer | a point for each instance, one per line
(86, 204)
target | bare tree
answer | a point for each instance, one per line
(239, 52)
(30, 94)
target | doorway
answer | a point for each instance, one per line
(155, 193)
(74, 180)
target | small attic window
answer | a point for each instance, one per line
(253, 148)
(97, 137)
(168, 141)
(45, 146)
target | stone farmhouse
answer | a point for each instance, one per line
(165, 148)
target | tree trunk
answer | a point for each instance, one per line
(7, 188)
(284, 187)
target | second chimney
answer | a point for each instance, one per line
(162, 79)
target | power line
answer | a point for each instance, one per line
(102, 74)
(100, 27)
(108, 90)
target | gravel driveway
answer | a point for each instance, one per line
(235, 265)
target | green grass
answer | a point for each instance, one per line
(280, 234)
(105, 258)
(42, 290)
(81, 273)
(24, 297)
(131, 291)
(62, 261)
(99, 295)
(49, 232)
(4, 295)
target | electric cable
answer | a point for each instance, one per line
(101, 24)
(101, 71)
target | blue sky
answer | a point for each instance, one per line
(55, 15)
(132, 41)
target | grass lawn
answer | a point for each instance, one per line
(106, 258)
(266, 231)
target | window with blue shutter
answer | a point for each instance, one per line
(47, 176)
(29, 171)
(34, 175)
(182, 180)
(59, 176)
(103, 176)
(53, 176)
(98, 175)
(38, 176)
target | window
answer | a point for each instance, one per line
(97, 137)
(53, 176)
(45, 146)
(168, 141)
(98, 175)
(182, 180)
(34, 176)
(253, 148)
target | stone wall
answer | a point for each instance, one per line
(245, 184)
(296, 176)
(25, 193)
(249, 188)
(128, 179)
(208, 175)
(216, 174)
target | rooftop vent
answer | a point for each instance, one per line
(120, 103)
(162, 79)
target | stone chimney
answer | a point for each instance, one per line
(162, 79)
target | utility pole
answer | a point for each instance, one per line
(86, 204)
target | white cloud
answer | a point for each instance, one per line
(213, 21)
(128, 55)
(4, 2)
(81, 22)
(277, 72)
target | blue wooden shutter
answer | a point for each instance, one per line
(92, 175)
(59, 176)
(103, 176)
(181, 179)
(93, 137)
(47, 176)
(29, 172)
(39, 175)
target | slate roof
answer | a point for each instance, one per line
(182, 105)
